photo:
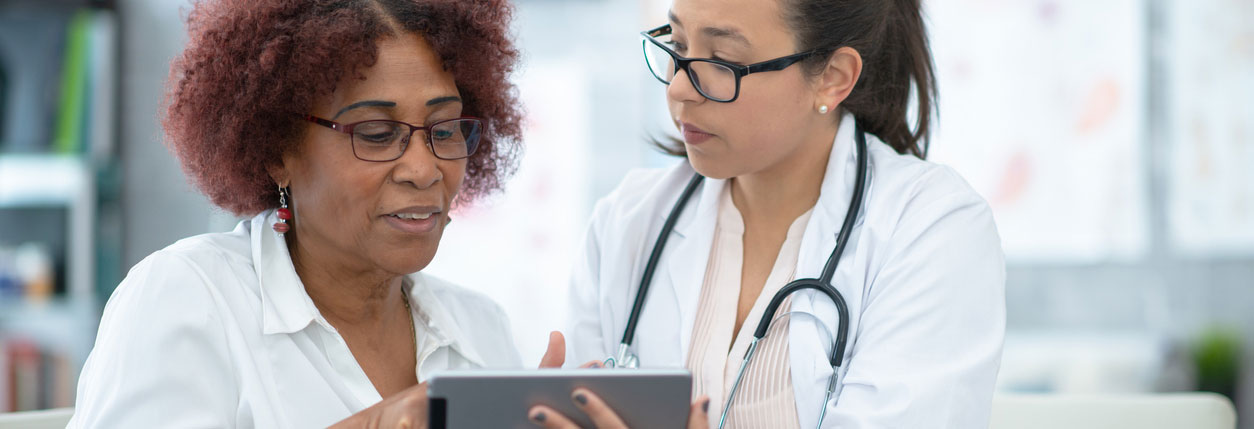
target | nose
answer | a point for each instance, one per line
(418, 166)
(681, 88)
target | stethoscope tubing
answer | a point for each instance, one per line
(823, 284)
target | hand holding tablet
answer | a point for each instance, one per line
(603, 398)
(605, 417)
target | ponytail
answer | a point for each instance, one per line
(897, 62)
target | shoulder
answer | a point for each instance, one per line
(912, 188)
(189, 281)
(173, 312)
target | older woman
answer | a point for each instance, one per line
(347, 129)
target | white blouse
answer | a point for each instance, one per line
(218, 331)
(765, 398)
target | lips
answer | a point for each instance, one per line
(693, 134)
(415, 219)
(411, 216)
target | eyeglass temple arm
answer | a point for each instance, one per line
(777, 64)
(325, 123)
(664, 29)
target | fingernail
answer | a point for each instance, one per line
(596, 364)
(539, 417)
(705, 407)
(581, 399)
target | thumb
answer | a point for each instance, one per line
(555, 356)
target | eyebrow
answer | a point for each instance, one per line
(442, 100)
(726, 33)
(714, 32)
(367, 103)
(381, 103)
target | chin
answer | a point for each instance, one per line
(411, 266)
(709, 167)
(407, 260)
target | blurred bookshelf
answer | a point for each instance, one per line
(59, 198)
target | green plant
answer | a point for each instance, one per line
(1217, 360)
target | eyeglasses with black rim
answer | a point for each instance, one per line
(715, 80)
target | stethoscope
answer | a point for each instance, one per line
(823, 284)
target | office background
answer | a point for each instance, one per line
(1113, 140)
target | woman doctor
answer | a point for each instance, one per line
(772, 98)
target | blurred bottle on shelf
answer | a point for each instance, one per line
(26, 273)
(33, 264)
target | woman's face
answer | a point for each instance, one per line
(378, 216)
(770, 119)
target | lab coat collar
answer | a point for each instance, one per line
(829, 214)
(689, 250)
(704, 205)
(838, 181)
(808, 339)
(834, 197)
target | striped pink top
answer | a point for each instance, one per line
(765, 398)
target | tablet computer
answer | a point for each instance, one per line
(500, 399)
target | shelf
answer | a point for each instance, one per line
(53, 180)
(44, 180)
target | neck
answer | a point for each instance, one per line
(784, 191)
(344, 294)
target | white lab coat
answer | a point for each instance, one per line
(923, 275)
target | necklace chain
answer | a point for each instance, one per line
(413, 332)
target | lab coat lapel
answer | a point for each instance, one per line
(809, 341)
(687, 255)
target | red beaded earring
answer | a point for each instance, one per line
(283, 213)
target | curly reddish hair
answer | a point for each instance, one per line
(251, 66)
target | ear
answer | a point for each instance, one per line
(838, 78)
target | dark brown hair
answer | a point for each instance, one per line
(251, 67)
(892, 40)
(897, 62)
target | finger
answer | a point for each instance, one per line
(555, 356)
(416, 397)
(546, 417)
(601, 414)
(412, 408)
(418, 390)
(592, 364)
(699, 414)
